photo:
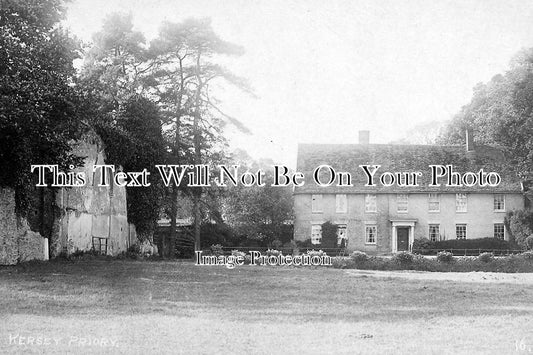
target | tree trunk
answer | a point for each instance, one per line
(197, 154)
(197, 221)
(173, 212)
(174, 194)
(197, 190)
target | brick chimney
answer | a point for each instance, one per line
(469, 140)
(364, 137)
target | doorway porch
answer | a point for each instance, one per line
(403, 235)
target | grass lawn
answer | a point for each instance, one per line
(123, 306)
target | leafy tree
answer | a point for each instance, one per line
(115, 66)
(520, 226)
(129, 123)
(502, 109)
(176, 72)
(134, 141)
(38, 102)
(329, 235)
(261, 214)
(183, 54)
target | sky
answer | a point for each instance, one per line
(323, 70)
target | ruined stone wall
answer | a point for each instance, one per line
(17, 241)
(84, 212)
(92, 211)
(8, 227)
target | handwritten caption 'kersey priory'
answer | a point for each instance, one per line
(233, 175)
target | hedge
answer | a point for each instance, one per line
(407, 261)
(422, 245)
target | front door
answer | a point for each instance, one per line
(403, 238)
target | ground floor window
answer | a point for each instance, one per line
(370, 234)
(460, 231)
(499, 231)
(342, 237)
(434, 232)
(316, 234)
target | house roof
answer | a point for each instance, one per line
(401, 158)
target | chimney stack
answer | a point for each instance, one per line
(469, 140)
(364, 137)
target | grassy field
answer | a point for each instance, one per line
(103, 306)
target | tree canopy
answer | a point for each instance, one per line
(501, 113)
(259, 213)
(151, 103)
(39, 111)
(129, 80)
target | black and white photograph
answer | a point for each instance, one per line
(266, 177)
